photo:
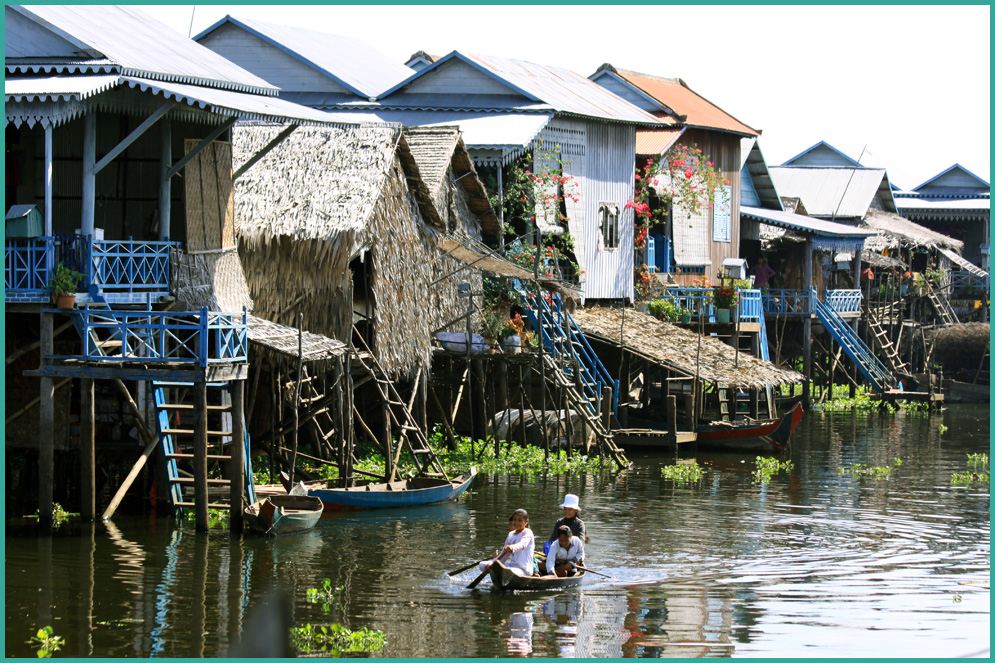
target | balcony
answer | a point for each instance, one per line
(116, 272)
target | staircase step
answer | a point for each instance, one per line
(190, 431)
(189, 406)
(210, 482)
(211, 505)
(190, 456)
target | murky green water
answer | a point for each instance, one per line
(813, 564)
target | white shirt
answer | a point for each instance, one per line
(522, 551)
(575, 553)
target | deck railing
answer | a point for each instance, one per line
(157, 337)
(844, 301)
(782, 301)
(699, 302)
(112, 268)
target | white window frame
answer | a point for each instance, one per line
(608, 225)
(722, 216)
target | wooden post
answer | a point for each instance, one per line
(87, 452)
(88, 197)
(46, 432)
(521, 402)
(755, 403)
(623, 396)
(689, 410)
(200, 458)
(385, 441)
(606, 408)
(350, 428)
(733, 402)
(807, 328)
(672, 416)
(198, 592)
(237, 474)
(272, 422)
(165, 182)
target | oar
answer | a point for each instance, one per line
(464, 568)
(476, 581)
(582, 568)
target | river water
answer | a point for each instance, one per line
(809, 564)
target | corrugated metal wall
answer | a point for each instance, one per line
(610, 165)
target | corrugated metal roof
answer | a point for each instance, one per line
(480, 130)
(656, 141)
(224, 102)
(675, 94)
(141, 45)
(839, 192)
(349, 61)
(805, 224)
(564, 90)
(57, 88)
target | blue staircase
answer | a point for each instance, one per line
(862, 357)
(563, 339)
(175, 419)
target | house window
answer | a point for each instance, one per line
(608, 214)
(722, 217)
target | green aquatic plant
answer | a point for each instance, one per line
(683, 473)
(978, 471)
(46, 642)
(768, 467)
(216, 518)
(864, 470)
(861, 401)
(942, 429)
(326, 595)
(336, 639)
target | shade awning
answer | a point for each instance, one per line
(962, 262)
(884, 262)
(284, 340)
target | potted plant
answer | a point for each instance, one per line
(491, 327)
(63, 285)
(724, 297)
(668, 310)
(514, 334)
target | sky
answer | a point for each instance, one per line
(904, 87)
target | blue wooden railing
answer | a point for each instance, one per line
(783, 301)
(110, 268)
(844, 301)
(192, 337)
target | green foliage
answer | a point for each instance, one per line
(517, 459)
(216, 518)
(46, 642)
(864, 470)
(64, 281)
(862, 401)
(683, 473)
(942, 428)
(768, 467)
(335, 639)
(667, 310)
(59, 515)
(978, 471)
(329, 597)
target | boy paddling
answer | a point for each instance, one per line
(571, 507)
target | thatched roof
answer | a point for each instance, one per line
(283, 340)
(960, 347)
(677, 348)
(436, 150)
(883, 262)
(895, 231)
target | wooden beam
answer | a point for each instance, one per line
(134, 135)
(254, 159)
(87, 453)
(237, 472)
(200, 458)
(186, 158)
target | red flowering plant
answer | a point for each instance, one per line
(725, 296)
(687, 178)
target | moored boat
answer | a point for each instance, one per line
(417, 491)
(768, 435)
(504, 579)
(283, 514)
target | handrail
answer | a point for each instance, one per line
(186, 337)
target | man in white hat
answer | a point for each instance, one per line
(571, 507)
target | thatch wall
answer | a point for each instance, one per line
(677, 348)
(960, 348)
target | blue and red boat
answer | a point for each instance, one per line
(771, 435)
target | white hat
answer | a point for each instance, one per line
(570, 502)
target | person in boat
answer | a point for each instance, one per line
(566, 553)
(571, 507)
(518, 553)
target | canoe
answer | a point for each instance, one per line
(504, 579)
(283, 514)
(768, 435)
(408, 492)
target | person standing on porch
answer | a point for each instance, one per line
(761, 273)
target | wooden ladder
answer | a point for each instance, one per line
(583, 406)
(410, 433)
(884, 345)
(942, 306)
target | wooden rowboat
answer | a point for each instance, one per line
(504, 579)
(408, 492)
(283, 514)
(769, 435)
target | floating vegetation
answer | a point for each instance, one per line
(329, 597)
(216, 518)
(862, 400)
(864, 470)
(46, 642)
(59, 515)
(683, 473)
(978, 471)
(942, 428)
(768, 467)
(335, 639)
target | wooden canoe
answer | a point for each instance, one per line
(769, 435)
(506, 580)
(408, 492)
(283, 514)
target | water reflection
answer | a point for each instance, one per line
(729, 567)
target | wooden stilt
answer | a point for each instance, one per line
(672, 415)
(755, 403)
(87, 452)
(202, 521)
(451, 441)
(46, 432)
(237, 474)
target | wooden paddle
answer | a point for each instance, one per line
(464, 568)
(476, 581)
(582, 568)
